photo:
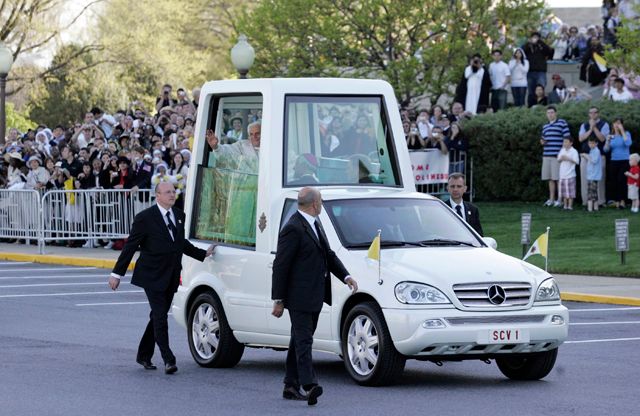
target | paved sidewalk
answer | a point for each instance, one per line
(598, 289)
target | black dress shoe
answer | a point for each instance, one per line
(147, 364)
(292, 393)
(170, 368)
(313, 394)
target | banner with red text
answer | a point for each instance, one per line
(429, 166)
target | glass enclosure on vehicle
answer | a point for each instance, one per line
(333, 140)
(403, 222)
(225, 207)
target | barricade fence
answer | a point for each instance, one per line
(459, 161)
(67, 215)
(20, 214)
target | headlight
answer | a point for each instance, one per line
(548, 291)
(418, 293)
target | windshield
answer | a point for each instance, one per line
(403, 222)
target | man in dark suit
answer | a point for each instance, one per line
(301, 283)
(158, 232)
(469, 212)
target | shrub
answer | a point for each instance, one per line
(506, 150)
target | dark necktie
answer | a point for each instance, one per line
(171, 225)
(459, 210)
(319, 232)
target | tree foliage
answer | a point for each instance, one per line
(627, 53)
(28, 27)
(17, 119)
(152, 42)
(419, 47)
(68, 92)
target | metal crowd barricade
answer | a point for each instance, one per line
(459, 161)
(20, 214)
(91, 214)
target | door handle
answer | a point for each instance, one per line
(270, 265)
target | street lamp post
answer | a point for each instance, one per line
(6, 60)
(242, 56)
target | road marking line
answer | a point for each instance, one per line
(64, 276)
(112, 303)
(586, 341)
(33, 295)
(632, 308)
(58, 269)
(12, 263)
(605, 323)
(54, 284)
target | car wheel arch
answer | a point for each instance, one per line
(351, 302)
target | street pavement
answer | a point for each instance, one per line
(602, 289)
(69, 346)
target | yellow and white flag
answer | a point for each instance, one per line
(600, 62)
(374, 248)
(539, 246)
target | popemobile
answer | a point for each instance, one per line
(437, 292)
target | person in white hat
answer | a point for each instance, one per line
(38, 176)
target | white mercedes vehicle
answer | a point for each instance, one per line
(440, 292)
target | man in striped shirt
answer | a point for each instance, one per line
(553, 134)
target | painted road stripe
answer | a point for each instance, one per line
(58, 269)
(65, 276)
(633, 308)
(34, 295)
(587, 341)
(605, 323)
(14, 263)
(55, 284)
(112, 303)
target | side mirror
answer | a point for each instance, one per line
(491, 242)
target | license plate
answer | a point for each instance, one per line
(505, 336)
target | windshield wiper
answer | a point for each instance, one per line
(386, 243)
(445, 242)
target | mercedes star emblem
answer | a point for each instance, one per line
(496, 295)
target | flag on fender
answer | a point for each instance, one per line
(374, 248)
(539, 246)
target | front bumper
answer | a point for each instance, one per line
(465, 334)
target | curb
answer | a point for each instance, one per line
(607, 299)
(62, 260)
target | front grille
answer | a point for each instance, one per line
(480, 320)
(476, 295)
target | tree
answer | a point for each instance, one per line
(151, 42)
(68, 93)
(627, 54)
(419, 47)
(28, 27)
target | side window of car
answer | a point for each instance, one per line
(290, 208)
(227, 183)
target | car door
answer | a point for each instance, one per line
(282, 325)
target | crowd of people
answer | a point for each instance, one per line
(131, 149)
(609, 173)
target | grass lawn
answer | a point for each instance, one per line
(580, 242)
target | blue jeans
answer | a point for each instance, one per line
(519, 95)
(498, 99)
(533, 79)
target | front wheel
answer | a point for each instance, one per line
(530, 367)
(211, 340)
(367, 349)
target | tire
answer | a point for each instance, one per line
(370, 357)
(534, 366)
(211, 340)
